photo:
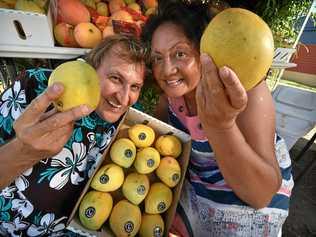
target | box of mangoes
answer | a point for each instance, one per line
(135, 191)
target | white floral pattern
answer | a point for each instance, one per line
(23, 207)
(12, 100)
(70, 162)
(15, 227)
(48, 225)
(21, 182)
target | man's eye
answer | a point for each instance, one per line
(114, 78)
(136, 88)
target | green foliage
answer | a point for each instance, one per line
(283, 17)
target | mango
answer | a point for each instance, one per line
(169, 145)
(28, 6)
(151, 226)
(108, 178)
(64, 35)
(94, 209)
(81, 85)
(142, 135)
(87, 35)
(169, 171)
(241, 40)
(123, 152)
(159, 198)
(72, 12)
(135, 187)
(147, 160)
(125, 219)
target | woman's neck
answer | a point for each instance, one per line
(190, 102)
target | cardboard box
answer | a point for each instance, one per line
(26, 28)
(133, 117)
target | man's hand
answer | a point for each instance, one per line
(220, 96)
(44, 134)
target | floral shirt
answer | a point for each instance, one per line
(39, 201)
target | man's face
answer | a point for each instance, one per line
(121, 82)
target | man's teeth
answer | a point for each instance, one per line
(174, 82)
(114, 104)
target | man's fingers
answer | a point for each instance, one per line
(61, 119)
(235, 90)
(39, 105)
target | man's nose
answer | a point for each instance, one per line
(170, 67)
(124, 96)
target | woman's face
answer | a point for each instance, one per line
(121, 82)
(175, 60)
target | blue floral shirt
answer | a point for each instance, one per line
(39, 201)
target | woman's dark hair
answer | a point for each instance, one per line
(192, 18)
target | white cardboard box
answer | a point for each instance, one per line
(132, 117)
(21, 28)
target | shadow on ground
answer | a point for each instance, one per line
(301, 221)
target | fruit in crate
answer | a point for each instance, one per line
(72, 12)
(123, 152)
(241, 40)
(150, 3)
(4, 5)
(41, 3)
(81, 85)
(135, 187)
(159, 198)
(87, 35)
(89, 3)
(147, 160)
(152, 226)
(135, 7)
(102, 9)
(142, 135)
(109, 178)
(125, 219)
(169, 145)
(150, 11)
(94, 209)
(121, 15)
(116, 5)
(169, 171)
(28, 6)
(8, 3)
(64, 35)
(129, 1)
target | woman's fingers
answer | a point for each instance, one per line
(39, 105)
(235, 90)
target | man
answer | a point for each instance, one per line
(47, 156)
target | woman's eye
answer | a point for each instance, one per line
(156, 59)
(180, 54)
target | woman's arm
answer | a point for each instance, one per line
(240, 128)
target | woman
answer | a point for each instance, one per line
(239, 177)
(48, 157)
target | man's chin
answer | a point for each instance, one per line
(110, 117)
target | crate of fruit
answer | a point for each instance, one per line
(135, 190)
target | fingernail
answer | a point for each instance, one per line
(57, 88)
(224, 72)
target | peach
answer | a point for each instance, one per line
(116, 5)
(64, 35)
(87, 35)
(72, 12)
(150, 3)
(122, 15)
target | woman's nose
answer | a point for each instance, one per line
(170, 67)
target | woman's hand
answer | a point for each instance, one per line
(220, 96)
(43, 134)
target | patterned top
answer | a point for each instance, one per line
(209, 203)
(39, 202)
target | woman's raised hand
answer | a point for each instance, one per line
(220, 96)
(44, 134)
